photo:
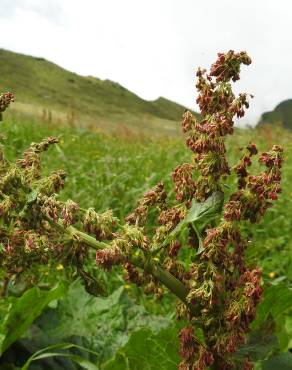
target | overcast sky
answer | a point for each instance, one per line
(153, 47)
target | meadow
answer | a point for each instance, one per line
(128, 330)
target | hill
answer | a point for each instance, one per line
(282, 115)
(44, 89)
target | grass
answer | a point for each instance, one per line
(112, 171)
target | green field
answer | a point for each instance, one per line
(111, 171)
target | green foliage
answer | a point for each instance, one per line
(148, 351)
(277, 299)
(199, 216)
(99, 324)
(282, 361)
(49, 352)
(17, 314)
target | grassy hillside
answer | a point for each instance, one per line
(282, 115)
(48, 91)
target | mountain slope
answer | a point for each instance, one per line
(282, 114)
(39, 84)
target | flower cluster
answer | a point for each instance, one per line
(5, 100)
(222, 287)
(218, 106)
(195, 355)
(256, 192)
(99, 224)
(151, 198)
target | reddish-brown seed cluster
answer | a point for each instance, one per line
(228, 64)
(171, 217)
(195, 356)
(69, 213)
(102, 225)
(133, 274)
(153, 197)
(221, 285)
(5, 100)
(184, 185)
(245, 161)
(31, 160)
(106, 258)
(257, 191)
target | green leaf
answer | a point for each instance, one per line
(46, 353)
(282, 361)
(17, 314)
(276, 300)
(146, 350)
(32, 196)
(200, 215)
(261, 342)
(102, 324)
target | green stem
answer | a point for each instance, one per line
(163, 276)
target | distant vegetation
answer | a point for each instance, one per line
(281, 115)
(53, 94)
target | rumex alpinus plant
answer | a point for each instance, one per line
(217, 291)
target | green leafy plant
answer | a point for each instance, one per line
(217, 291)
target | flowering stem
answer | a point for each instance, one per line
(163, 276)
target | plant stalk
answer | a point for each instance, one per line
(163, 276)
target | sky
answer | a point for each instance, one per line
(153, 47)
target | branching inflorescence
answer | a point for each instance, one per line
(218, 292)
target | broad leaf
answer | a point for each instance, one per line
(261, 342)
(146, 350)
(282, 361)
(99, 324)
(276, 300)
(17, 314)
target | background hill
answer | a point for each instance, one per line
(281, 115)
(45, 90)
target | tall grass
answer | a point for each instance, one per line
(112, 171)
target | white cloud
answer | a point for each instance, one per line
(153, 47)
